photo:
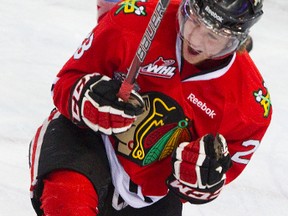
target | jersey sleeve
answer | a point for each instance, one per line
(243, 140)
(247, 117)
(102, 52)
(108, 49)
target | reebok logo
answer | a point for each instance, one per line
(201, 105)
(213, 14)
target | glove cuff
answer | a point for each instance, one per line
(77, 94)
(194, 195)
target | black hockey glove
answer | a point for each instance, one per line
(199, 169)
(95, 104)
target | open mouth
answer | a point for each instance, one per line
(193, 51)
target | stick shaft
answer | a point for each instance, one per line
(146, 40)
(144, 46)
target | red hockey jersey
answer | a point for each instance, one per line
(182, 102)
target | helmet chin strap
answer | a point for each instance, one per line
(230, 44)
(222, 57)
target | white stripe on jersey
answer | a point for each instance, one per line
(35, 149)
(121, 180)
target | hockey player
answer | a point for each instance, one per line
(205, 111)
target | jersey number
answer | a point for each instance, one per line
(238, 157)
(86, 44)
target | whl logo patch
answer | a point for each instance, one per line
(160, 68)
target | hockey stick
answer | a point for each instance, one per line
(150, 31)
(219, 147)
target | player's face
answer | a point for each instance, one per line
(200, 42)
(203, 39)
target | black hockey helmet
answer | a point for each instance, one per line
(236, 16)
